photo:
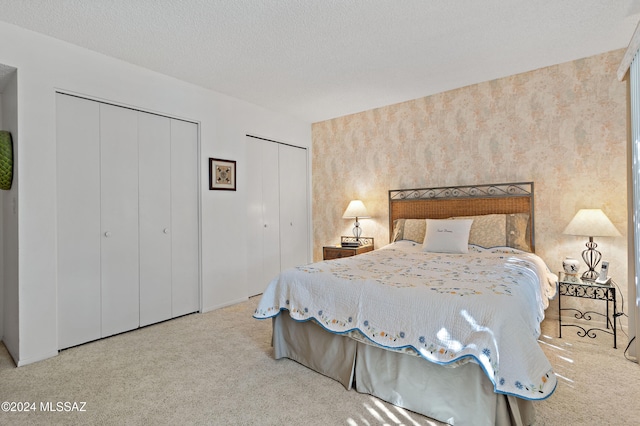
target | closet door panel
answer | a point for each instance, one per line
(119, 219)
(270, 212)
(294, 235)
(263, 217)
(255, 222)
(154, 177)
(78, 183)
(184, 218)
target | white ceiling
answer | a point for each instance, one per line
(320, 59)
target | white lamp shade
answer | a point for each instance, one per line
(355, 208)
(591, 223)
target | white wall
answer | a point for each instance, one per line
(46, 65)
(9, 228)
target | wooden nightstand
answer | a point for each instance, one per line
(337, 251)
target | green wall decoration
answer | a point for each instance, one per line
(6, 160)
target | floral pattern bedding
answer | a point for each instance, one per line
(485, 306)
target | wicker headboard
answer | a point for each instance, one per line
(448, 201)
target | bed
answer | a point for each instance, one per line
(443, 321)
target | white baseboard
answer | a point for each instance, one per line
(41, 357)
(223, 305)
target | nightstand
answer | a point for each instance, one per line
(573, 286)
(338, 251)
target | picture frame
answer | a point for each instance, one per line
(222, 174)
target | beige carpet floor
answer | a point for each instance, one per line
(217, 368)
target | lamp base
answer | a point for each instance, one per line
(590, 275)
(591, 257)
(357, 231)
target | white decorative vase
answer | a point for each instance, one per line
(571, 266)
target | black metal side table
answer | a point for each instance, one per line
(573, 286)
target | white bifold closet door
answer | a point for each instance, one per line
(185, 231)
(294, 228)
(277, 218)
(128, 234)
(78, 221)
(168, 218)
(118, 218)
(263, 222)
(155, 218)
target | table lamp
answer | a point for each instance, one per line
(591, 223)
(356, 209)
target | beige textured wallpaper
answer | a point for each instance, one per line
(562, 127)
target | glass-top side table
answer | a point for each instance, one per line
(573, 286)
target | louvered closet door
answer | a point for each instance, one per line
(119, 219)
(78, 192)
(154, 144)
(184, 218)
(294, 234)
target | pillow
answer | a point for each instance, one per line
(447, 236)
(398, 230)
(499, 230)
(517, 227)
(409, 229)
(488, 230)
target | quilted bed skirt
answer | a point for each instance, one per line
(459, 396)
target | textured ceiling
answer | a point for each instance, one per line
(320, 59)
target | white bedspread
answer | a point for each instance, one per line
(486, 305)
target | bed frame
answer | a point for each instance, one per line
(448, 201)
(462, 395)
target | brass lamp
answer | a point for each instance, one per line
(591, 223)
(356, 209)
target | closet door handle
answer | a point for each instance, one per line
(165, 230)
(107, 234)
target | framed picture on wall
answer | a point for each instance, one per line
(222, 174)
